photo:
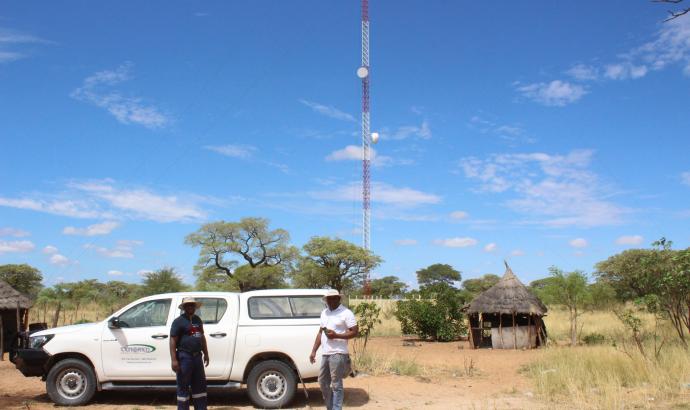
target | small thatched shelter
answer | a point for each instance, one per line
(14, 315)
(507, 316)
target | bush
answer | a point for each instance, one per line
(594, 339)
(438, 317)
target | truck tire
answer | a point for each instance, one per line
(71, 382)
(271, 384)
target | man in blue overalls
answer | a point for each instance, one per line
(187, 342)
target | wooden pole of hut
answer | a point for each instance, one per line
(2, 339)
(18, 320)
(514, 333)
(500, 328)
(529, 331)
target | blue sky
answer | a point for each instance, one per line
(543, 133)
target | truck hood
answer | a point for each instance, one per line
(65, 329)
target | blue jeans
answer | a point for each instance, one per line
(191, 374)
(334, 368)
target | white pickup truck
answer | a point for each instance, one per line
(260, 338)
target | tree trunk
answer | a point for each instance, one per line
(573, 326)
(57, 314)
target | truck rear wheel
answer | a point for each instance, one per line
(271, 384)
(71, 382)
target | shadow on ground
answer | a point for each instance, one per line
(354, 397)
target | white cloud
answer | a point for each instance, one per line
(556, 93)
(233, 151)
(104, 199)
(685, 178)
(115, 273)
(459, 215)
(50, 250)
(60, 260)
(354, 153)
(517, 252)
(578, 243)
(629, 240)
(560, 188)
(328, 111)
(490, 247)
(122, 249)
(422, 131)
(405, 242)
(103, 228)
(381, 193)
(623, 71)
(583, 72)
(16, 246)
(10, 40)
(144, 204)
(457, 242)
(512, 134)
(65, 207)
(17, 233)
(97, 90)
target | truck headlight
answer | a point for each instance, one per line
(37, 342)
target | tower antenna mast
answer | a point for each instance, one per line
(367, 138)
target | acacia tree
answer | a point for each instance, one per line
(250, 240)
(569, 290)
(23, 278)
(438, 273)
(162, 281)
(387, 287)
(673, 14)
(334, 262)
(658, 277)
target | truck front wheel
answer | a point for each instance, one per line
(71, 382)
(271, 384)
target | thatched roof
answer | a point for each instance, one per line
(509, 295)
(9, 298)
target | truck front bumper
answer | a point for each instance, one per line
(31, 362)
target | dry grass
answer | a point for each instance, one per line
(602, 377)
(86, 313)
(600, 322)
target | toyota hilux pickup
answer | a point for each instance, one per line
(261, 339)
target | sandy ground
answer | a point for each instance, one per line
(495, 383)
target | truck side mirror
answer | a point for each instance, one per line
(114, 323)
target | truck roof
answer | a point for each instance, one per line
(264, 292)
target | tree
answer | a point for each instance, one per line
(673, 14)
(164, 280)
(23, 278)
(250, 240)
(116, 294)
(260, 277)
(438, 273)
(478, 285)
(334, 262)
(570, 290)
(387, 287)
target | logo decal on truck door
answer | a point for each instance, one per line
(137, 348)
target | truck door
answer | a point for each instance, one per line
(138, 348)
(220, 325)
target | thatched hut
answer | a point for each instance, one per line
(507, 316)
(14, 315)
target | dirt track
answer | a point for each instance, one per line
(495, 384)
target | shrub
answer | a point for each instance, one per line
(436, 317)
(594, 339)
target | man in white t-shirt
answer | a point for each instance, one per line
(338, 325)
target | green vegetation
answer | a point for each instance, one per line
(24, 278)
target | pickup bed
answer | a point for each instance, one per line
(260, 338)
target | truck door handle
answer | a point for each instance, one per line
(159, 336)
(218, 335)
